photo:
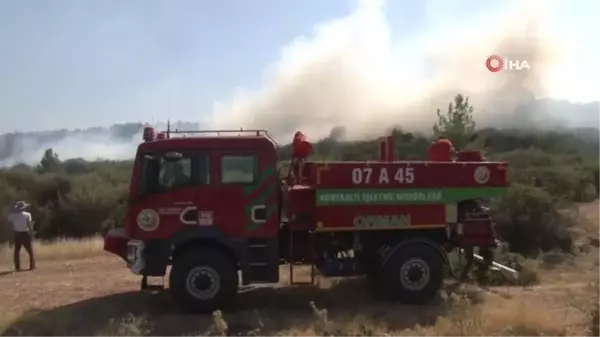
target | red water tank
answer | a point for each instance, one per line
(301, 147)
(471, 155)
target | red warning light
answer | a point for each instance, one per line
(148, 134)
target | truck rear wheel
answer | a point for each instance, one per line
(203, 280)
(413, 273)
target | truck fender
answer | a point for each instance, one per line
(205, 233)
(415, 240)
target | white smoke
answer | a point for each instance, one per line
(99, 146)
(350, 73)
(92, 144)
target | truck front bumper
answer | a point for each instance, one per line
(135, 256)
(131, 251)
(115, 242)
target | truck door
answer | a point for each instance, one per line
(248, 188)
(175, 192)
(248, 210)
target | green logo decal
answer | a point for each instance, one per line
(402, 196)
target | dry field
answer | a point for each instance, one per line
(80, 290)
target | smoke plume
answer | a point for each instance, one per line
(350, 74)
(352, 79)
(28, 149)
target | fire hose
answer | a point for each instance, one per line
(514, 274)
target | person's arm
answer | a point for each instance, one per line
(29, 223)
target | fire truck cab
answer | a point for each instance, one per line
(206, 204)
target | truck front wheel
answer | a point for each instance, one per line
(413, 273)
(203, 280)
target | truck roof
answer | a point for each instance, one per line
(210, 143)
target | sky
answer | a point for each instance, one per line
(77, 64)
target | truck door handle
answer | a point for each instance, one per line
(259, 213)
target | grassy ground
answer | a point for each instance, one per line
(79, 290)
(59, 250)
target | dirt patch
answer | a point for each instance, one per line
(77, 297)
(79, 290)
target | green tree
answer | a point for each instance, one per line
(49, 161)
(457, 123)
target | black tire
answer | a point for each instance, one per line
(372, 268)
(413, 273)
(214, 270)
(375, 282)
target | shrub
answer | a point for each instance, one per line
(75, 205)
(593, 171)
(528, 219)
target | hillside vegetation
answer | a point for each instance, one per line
(549, 171)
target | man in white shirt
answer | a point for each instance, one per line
(22, 226)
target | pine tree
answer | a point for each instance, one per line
(457, 123)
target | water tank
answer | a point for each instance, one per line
(471, 155)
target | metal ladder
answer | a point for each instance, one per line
(311, 256)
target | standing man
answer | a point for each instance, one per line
(23, 233)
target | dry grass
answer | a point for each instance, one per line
(79, 290)
(57, 250)
(464, 316)
(503, 318)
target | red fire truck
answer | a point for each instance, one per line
(213, 205)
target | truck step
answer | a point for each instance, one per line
(155, 287)
(263, 260)
(145, 286)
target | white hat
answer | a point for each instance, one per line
(20, 205)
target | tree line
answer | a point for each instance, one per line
(549, 171)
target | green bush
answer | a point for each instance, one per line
(72, 202)
(533, 157)
(528, 218)
(567, 176)
(593, 171)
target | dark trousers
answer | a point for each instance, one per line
(23, 239)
